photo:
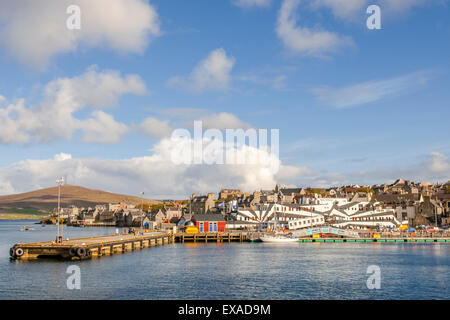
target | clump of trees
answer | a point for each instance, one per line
(148, 207)
(319, 191)
(366, 189)
(153, 207)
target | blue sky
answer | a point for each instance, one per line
(353, 105)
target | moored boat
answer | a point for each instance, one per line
(278, 239)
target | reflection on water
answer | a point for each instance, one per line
(229, 271)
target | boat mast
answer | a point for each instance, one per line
(59, 235)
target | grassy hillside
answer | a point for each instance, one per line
(44, 200)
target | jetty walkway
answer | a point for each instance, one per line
(86, 248)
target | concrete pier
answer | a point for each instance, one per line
(86, 248)
(212, 237)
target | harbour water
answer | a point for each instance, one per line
(228, 271)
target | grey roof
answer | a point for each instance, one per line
(295, 205)
(289, 191)
(200, 199)
(136, 213)
(348, 205)
(207, 217)
(106, 213)
(396, 198)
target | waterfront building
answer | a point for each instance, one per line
(209, 222)
(226, 194)
(114, 207)
(287, 195)
(89, 215)
(158, 217)
(307, 222)
(380, 189)
(133, 217)
(172, 213)
(252, 201)
(268, 196)
(429, 211)
(106, 216)
(201, 204)
(444, 198)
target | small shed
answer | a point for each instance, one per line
(209, 222)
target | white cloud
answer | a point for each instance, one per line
(35, 31)
(62, 156)
(155, 128)
(439, 164)
(251, 3)
(179, 112)
(212, 73)
(222, 121)
(304, 40)
(53, 118)
(370, 91)
(292, 175)
(102, 128)
(158, 128)
(161, 178)
(434, 168)
(156, 173)
(6, 188)
(94, 89)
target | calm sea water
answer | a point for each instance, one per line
(228, 271)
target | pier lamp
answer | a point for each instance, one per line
(59, 235)
(142, 215)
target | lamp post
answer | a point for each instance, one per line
(59, 235)
(142, 215)
(435, 217)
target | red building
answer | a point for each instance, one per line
(209, 222)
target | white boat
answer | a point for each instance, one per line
(278, 236)
(278, 239)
